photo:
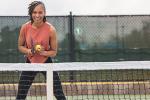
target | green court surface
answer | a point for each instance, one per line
(28, 98)
(90, 97)
(109, 97)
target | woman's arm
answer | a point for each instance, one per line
(21, 43)
(53, 44)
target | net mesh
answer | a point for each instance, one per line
(10, 81)
(9, 85)
(80, 81)
(105, 80)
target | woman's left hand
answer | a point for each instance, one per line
(43, 53)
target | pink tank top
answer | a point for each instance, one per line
(40, 36)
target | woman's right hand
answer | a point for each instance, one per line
(29, 52)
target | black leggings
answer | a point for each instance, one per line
(27, 78)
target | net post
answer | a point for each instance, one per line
(49, 82)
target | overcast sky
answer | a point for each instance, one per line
(78, 7)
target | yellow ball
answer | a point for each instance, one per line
(38, 48)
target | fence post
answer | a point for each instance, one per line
(71, 38)
(71, 43)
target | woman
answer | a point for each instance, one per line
(37, 40)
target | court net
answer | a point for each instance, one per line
(128, 80)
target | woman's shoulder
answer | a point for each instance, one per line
(25, 25)
(50, 26)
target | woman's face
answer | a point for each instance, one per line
(38, 14)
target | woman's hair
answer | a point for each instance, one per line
(31, 7)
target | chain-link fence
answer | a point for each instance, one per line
(85, 38)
